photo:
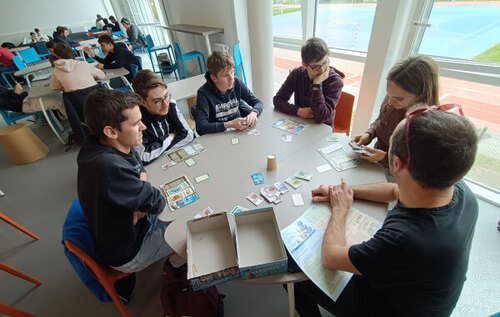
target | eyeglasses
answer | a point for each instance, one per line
(420, 111)
(316, 67)
(158, 102)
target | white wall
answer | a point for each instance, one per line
(227, 14)
(19, 18)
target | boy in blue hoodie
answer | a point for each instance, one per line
(224, 101)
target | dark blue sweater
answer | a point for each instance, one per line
(213, 108)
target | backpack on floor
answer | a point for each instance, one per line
(179, 299)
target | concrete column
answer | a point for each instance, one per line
(260, 27)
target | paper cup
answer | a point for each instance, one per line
(272, 163)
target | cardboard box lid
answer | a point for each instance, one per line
(258, 238)
(210, 247)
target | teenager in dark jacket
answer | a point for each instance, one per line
(117, 55)
(166, 127)
(120, 206)
(224, 101)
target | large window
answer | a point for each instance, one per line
(464, 37)
(287, 19)
(345, 24)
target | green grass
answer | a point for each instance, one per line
(285, 11)
(490, 55)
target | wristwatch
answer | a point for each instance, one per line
(317, 85)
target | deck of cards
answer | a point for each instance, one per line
(255, 199)
(303, 175)
(179, 193)
(271, 194)
(294, 182)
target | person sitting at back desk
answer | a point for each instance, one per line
(61, 36)
(117, 56)
(224, 101)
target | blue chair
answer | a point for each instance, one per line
(173, 67)
(12, 117)
(134, 69)
(238, 61)
(152, 48)
(118, 33)
(19, 64)
(42, 49)
(189, 55)
(29, 56)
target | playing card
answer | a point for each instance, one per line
(205, 212)
(303, 175)
(331, 138)
(235, 141)
(297, 199)
(256, 132)
(281, 187)
(356, 146)
(255, 199)
(237, 210)
(258, 178)
(187, 200)
(168, 165)
(201, 178)
(270, 193)
(190, 162)
(294, 182)
(229, 130)
(323, 168)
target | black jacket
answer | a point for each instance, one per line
(121, 57)
(59, 39)
(11, 101)
(110, 190)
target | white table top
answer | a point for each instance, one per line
(33, 69)
(16, 49)
(230, 167)
(186, 88)
(195, 29)
(42, 88)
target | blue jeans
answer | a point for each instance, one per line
(153, 248)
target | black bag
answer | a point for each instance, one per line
(179, 299)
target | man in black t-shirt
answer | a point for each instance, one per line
(416, 264)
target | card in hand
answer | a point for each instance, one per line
(255, 199)
(258, 178)
(303, 175)
(357, 146)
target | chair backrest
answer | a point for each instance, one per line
(139, 58)
(343, 113)
(238, 61)
(149, 41)
(177, 50)
(12, 117)
(30, 56)
(42, 48)
(118, 33)
(133, 69)
(18, 62)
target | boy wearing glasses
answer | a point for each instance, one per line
(316, 85)
(224, 101)
(166, 127)
(416, 263)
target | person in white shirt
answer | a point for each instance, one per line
(41, 37)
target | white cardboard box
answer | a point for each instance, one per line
(211, 254)
(258, 244)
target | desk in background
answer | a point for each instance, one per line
(204, 31)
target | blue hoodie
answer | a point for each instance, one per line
(213, 108)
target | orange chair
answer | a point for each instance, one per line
(17, 226)
(106, 276)
(343, 113)
(6, 309)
